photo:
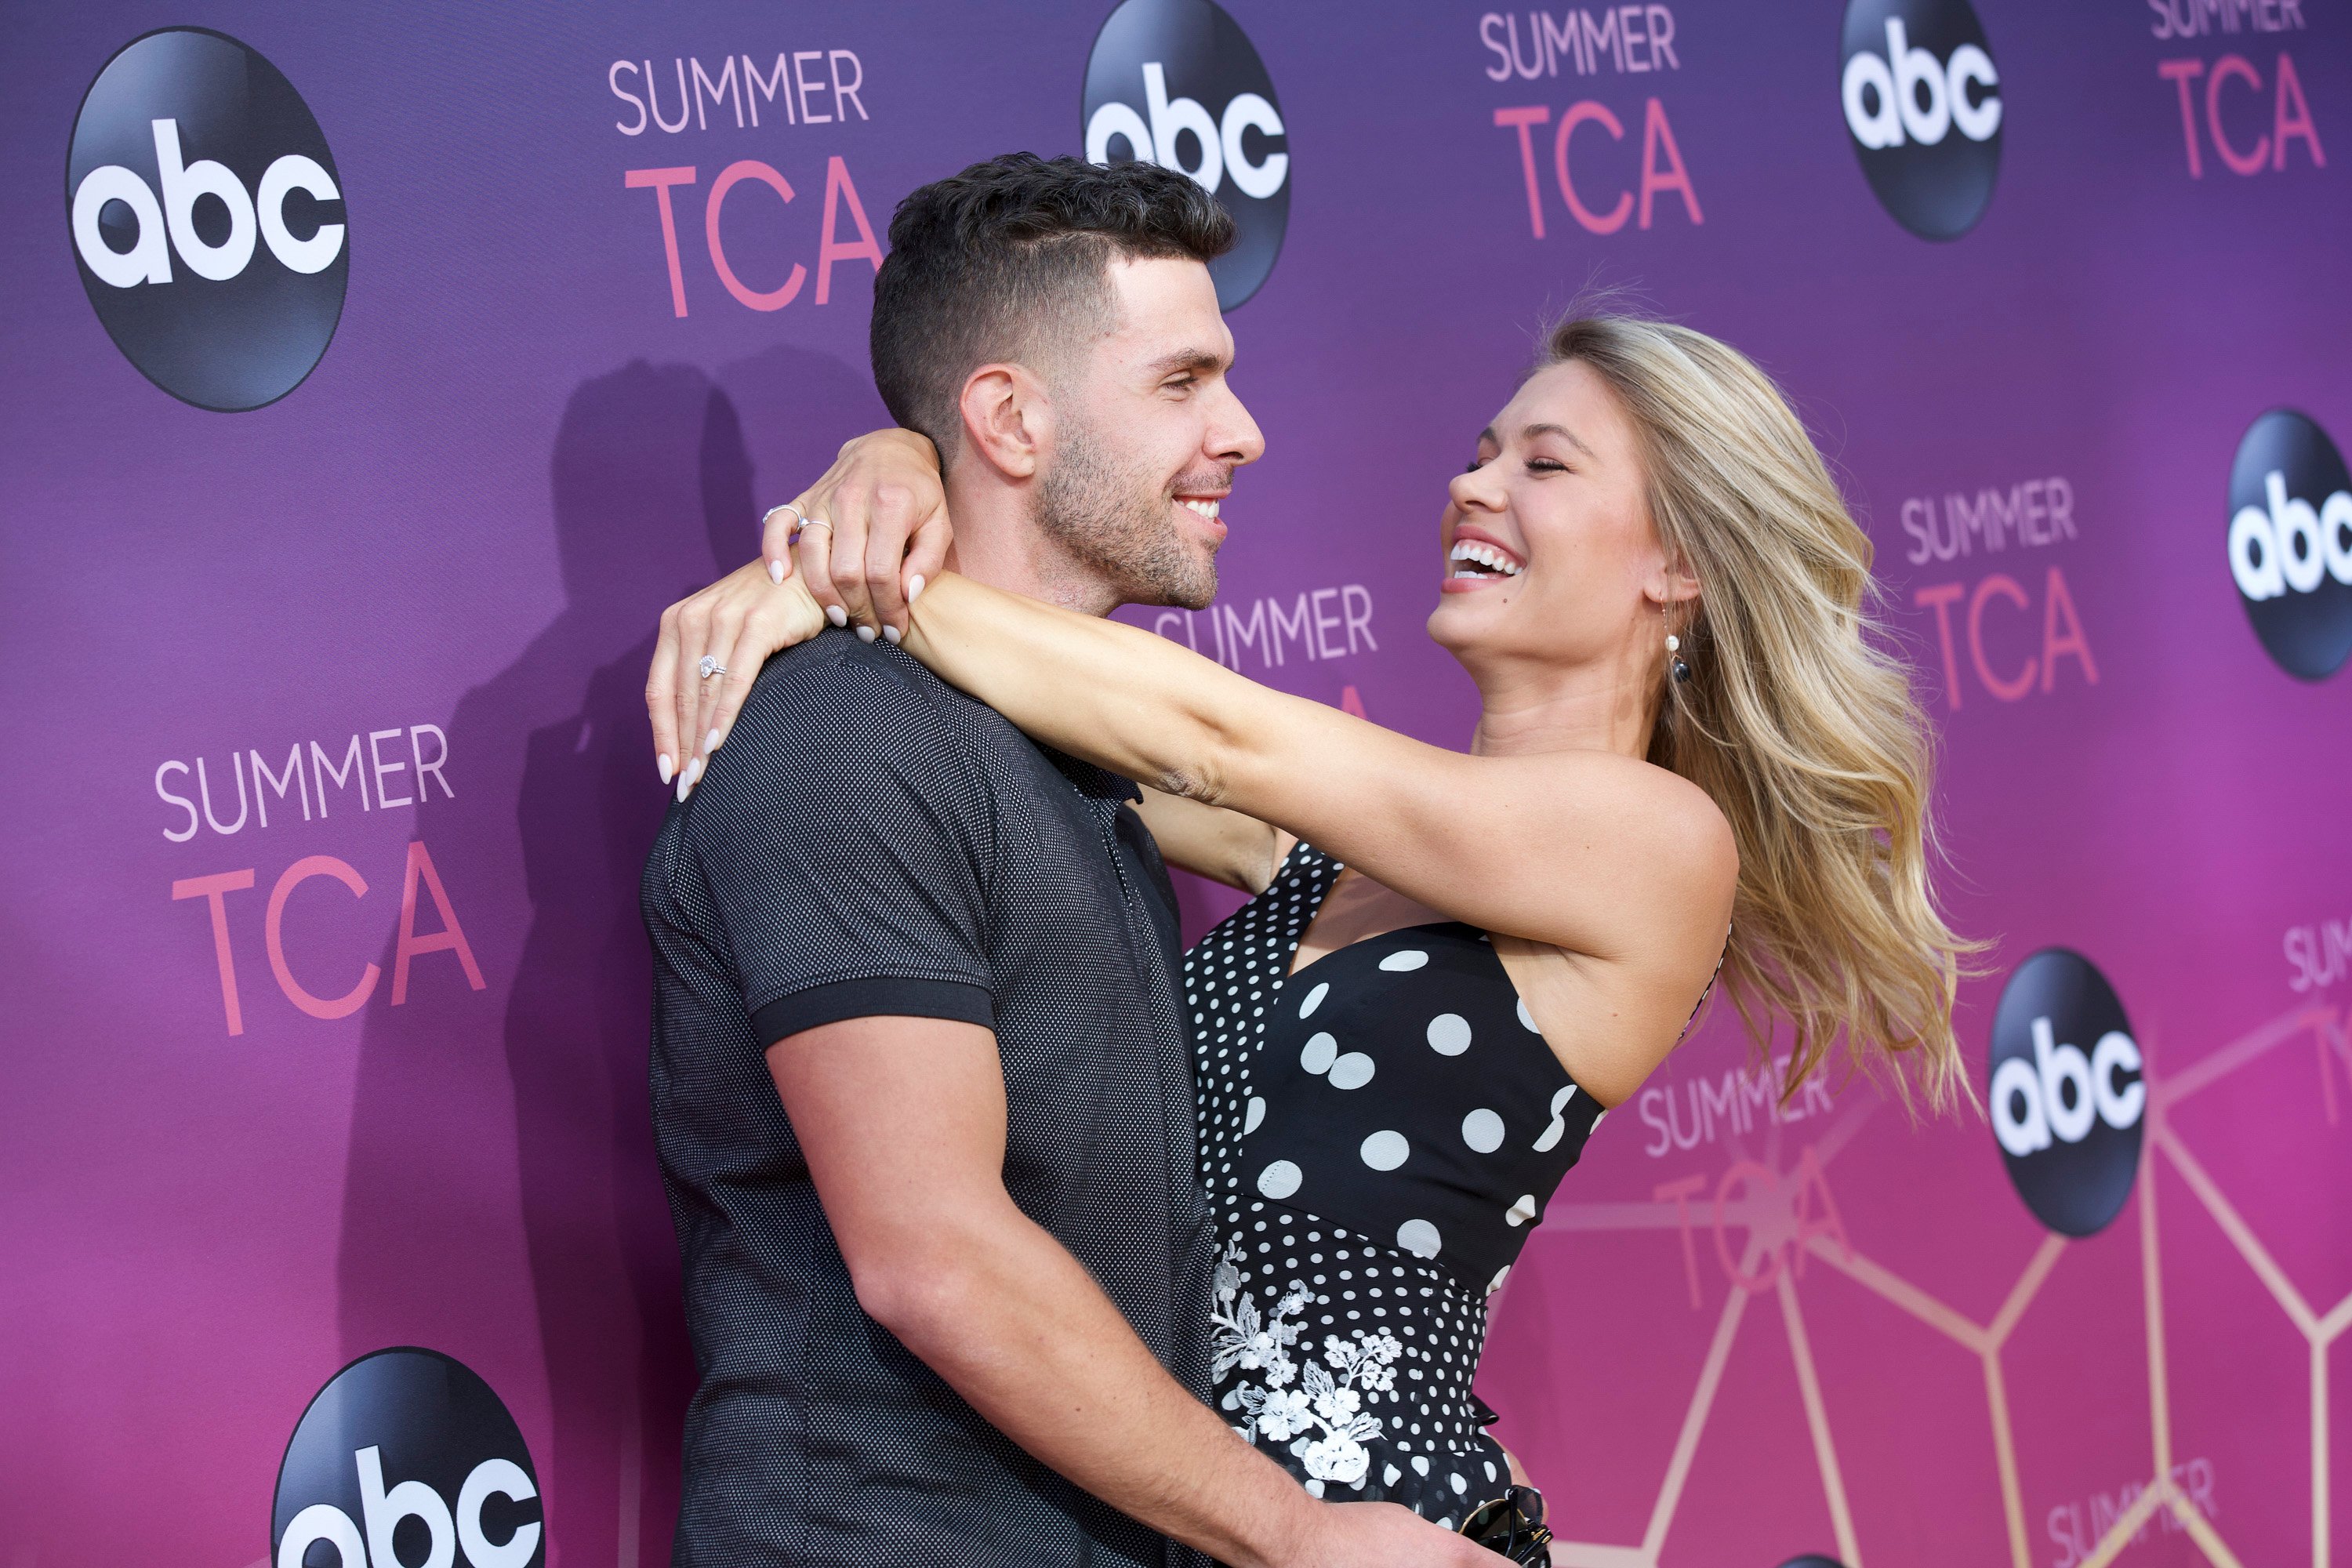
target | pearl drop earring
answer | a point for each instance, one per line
(1675, 662)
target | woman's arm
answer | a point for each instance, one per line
(1599, 854)
(1210, 841)
(870, 530)
(885, 525)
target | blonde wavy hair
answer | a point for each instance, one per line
(1796, 719)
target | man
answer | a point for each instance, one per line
(950, 1278)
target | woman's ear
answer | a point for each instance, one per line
(1008, 418)
(1676, 582)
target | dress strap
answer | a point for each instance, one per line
(1709, 990)
(1299, 887)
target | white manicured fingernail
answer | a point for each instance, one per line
(864, 633)
(890, 636)
(836, 615)
(914, 589)
(686, 781)
(666, 765)
(775, 572)
(711, 741)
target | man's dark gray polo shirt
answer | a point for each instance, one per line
(871, 842)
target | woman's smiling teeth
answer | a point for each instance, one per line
(1472, 559)
(1207, 508)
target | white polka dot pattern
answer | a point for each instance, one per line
(1549, 1138)
(1420, 1237)
(1342, 1286)
(1483, 1131)
(1320, 1053)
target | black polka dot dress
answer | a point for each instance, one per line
(1379, 1133)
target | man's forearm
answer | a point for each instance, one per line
(1018, 1328)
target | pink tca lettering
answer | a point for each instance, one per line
(728, 178)
(838, 188)
(214, 890)
(450, 938)
(661, 180)
(273, 934)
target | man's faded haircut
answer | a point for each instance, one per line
(1010, 261)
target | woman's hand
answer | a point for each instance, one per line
(875, 524)
(885, 531)
(742, 618)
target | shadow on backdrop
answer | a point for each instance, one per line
(459, 1156)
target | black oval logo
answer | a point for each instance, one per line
(1923, 104)
(2066, 1094)
(1179, 84)
(2291, 543)
(407, 1458)
(206, 218)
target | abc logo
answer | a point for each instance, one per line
(1923, 102)
(2066, 1091)
(406, 1459)
(1176, 83)
(2291, 543)
(207, 220)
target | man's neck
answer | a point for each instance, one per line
(999, 542)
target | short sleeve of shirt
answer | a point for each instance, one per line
(847, 841)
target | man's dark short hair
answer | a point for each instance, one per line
(1010, 261)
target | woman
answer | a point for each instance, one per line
(1690, 754)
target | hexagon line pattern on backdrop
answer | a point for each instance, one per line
(1778, 1224)
(1772, 1221)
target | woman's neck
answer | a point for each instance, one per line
(1600, 707)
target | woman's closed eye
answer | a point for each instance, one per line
(1534, 464)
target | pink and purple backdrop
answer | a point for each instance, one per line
(1741, 1335)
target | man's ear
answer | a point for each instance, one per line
(1008, 419)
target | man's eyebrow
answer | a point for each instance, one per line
(1187, 358)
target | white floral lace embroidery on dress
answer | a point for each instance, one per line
(1301, 1394)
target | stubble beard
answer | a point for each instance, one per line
(1113, 519)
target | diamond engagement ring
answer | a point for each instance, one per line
(802, 521)
(711, 667)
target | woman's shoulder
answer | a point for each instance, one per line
(1609, 1024)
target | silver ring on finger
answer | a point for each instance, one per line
(769, 516)
(809, 522)
(711, 667)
